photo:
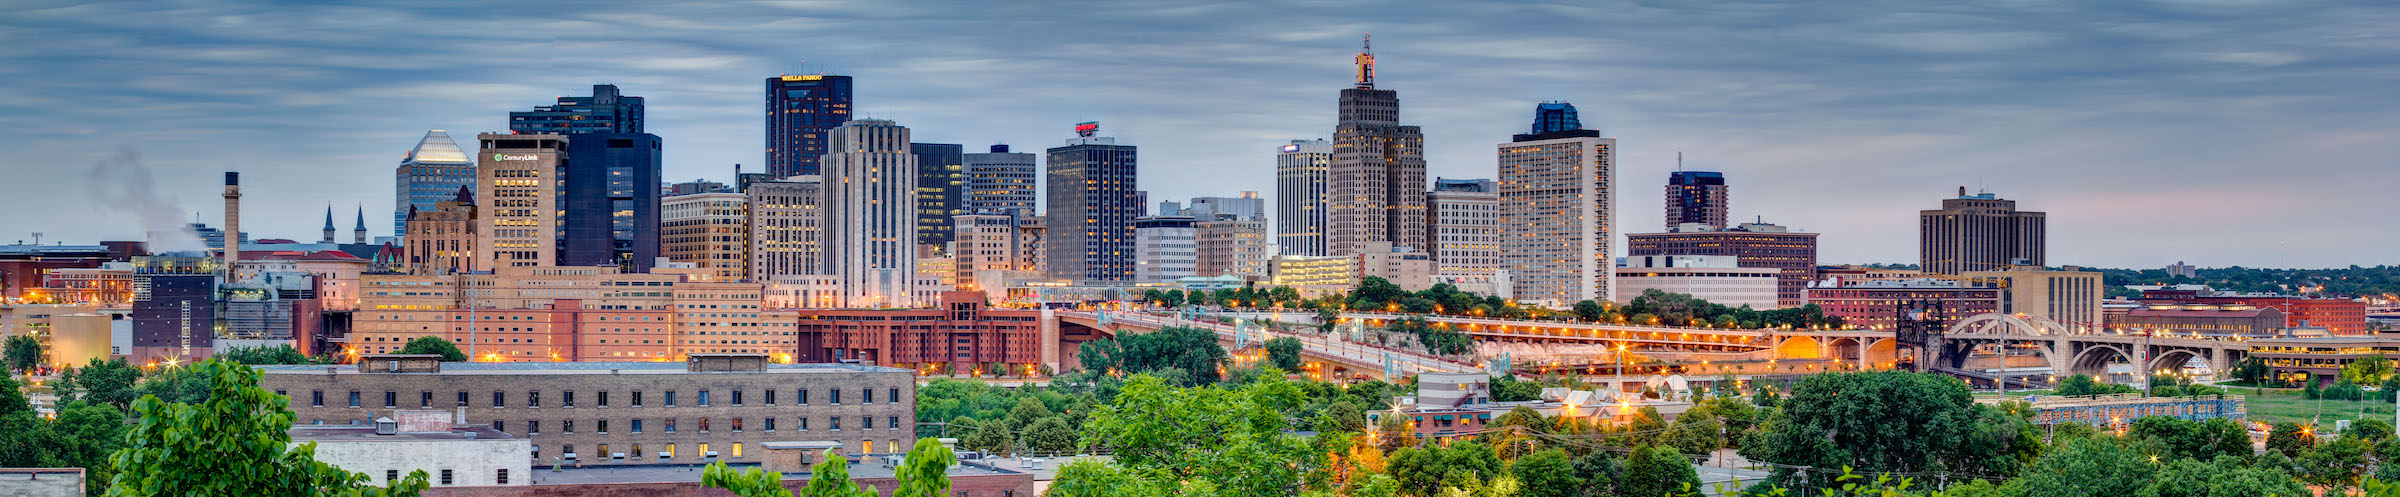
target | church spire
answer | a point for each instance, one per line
(328, 223)
(358, 235)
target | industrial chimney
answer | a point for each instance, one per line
(233, 222)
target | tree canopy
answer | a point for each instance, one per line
(434, 345)
(233, 443)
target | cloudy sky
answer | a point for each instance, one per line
(2219, 132)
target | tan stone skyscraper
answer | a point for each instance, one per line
(516, 178)
(1558, 207)
(1979, 232)
(1377, 190)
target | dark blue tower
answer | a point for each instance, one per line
(1554, 116)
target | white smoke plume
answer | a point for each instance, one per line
(122, 185)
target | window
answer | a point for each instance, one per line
(737, 449)
(566, 399)
(425, 399)
(803, 396)
(834, 396)
(567, 426)
(533, 427)
(895, 422)
(670, 452)
(670, 398)
(833, 423)
(703, 398)
(866, 422)
(737, 397)
(353, 398)
(462, 398)
(670, 425)
(604, 427)
(499, 400)
(604, 455)
(499, 426)
(704, 425)
(533, 399)
(770, 422)
(894, 397)
(637, 428)
(866, 396)
(637, 398)
(316, 398)
(866, 447)
(704, 450)
(502, 477)
(737, 425)
(391, 398)
(391, 475)
(770, 396)
(446, 477)
(803, 424)
(603, 399)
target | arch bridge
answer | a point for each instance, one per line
(2071, 350)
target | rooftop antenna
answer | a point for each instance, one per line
(1366, 62)
(37, 238)
(1679, 161)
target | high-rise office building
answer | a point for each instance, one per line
(609, 204)
(1300, 210)
(517, 180)
(1558, 206)
(606, 111)
(941, 190)
(709, 230)
(1979, 232)
(993, 249)
(1232, 246)
(1696, 197)
(1000, 181)
(786, 229)
(801, 114)
(1377, 177)
(870, 213)
(431, 173)
(1091, 204)
(1465, 238)
(1165, 249)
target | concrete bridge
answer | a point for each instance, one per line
(2075, 351)
(1340, 358)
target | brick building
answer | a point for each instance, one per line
(708, 408)
(1756, 244)
(962, 332)
(1876, 304)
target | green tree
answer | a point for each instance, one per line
(1656, 470)
(1232, 438)
(22, 353)
(234, 443)
(1284, 353)
(2290, 439)
(262, 355)
(1326, 318)
(2371, 430)
(1878, 422)
(991, 437)
(1099, 355)
(756, 482)
(1547, 473)
(2368, 370)
(1590, 311)
(1027, 411)
(1092, 478)
(2338, 464)
(1342, 417)
(925, 471)
(434, 345)
(2096, 466)
(2221, 477)
(100, 382)
(1051, 435)
(2197, 440)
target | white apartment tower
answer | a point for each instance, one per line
(1558, 209)
(1465, 235)
(870, 213)
(786, 229)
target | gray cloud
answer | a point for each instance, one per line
(2220, 132)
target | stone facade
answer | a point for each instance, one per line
(653, 412)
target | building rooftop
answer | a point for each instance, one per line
(554, 368)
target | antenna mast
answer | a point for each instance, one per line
(1366, 62)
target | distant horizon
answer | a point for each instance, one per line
(2252, 135)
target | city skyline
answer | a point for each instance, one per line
(1858, 116)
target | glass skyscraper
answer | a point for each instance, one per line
(941, 189)
(1092, 204)
(604, 112)
(801, 113)
(431, 172)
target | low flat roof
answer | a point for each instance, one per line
(367, 434)
(672, 473)
(554, 368)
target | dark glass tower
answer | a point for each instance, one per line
(609, 201)
(1554, 116)
(1696, 197)
(1092, 204)
(604, 112)
(941, 189)
(801, 113)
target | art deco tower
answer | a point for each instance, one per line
(1377, 190)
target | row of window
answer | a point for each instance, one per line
(566, 398)
(600, 426)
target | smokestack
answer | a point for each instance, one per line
(233, 222)
(1962, 192)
